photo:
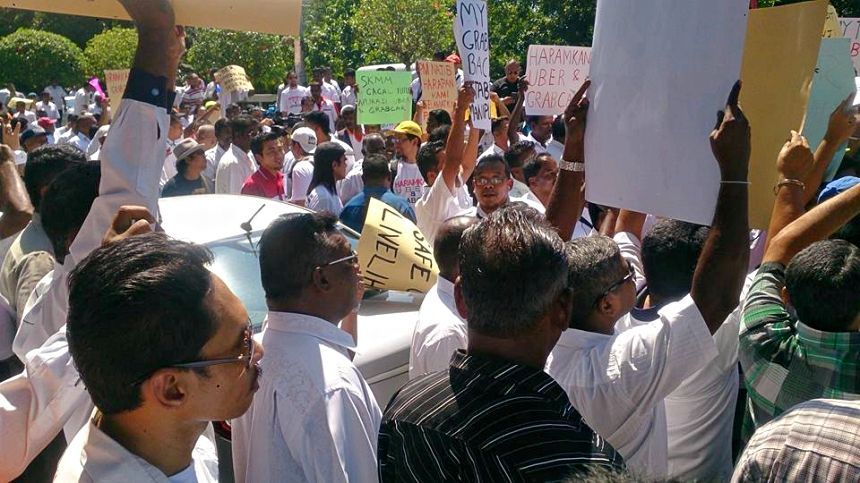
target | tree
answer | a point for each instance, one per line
(403, 31)
(329, 38)
(266, 58)
(30, 58)
(111, 49)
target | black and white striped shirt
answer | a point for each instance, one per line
(486, 419)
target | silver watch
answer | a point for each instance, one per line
(574, 166)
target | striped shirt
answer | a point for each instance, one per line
(486, 419)
(816, 441)
(786, 362)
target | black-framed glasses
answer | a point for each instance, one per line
(352, 257)
(631, 272)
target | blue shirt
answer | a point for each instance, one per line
(356, 209)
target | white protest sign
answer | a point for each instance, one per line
(659, 75)
(554, 73)
(233, 79)
(473, 43)
(851, 30)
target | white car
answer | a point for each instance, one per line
(386, 320)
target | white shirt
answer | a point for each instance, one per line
(440, 331)
(290, 99)
(479, 212)
(82, 101)
(539, 148)
(314, 417)
(555, 149)
(234, 168)
(348, 97)
(321, 199)
(327, 106)
(58, 95)
(331, 91)
(408, 183)
(93, 456)
(439, 203)
(50, 109)
(353, 184)
(80, 141)
(213, 157)
(618, 382)
(300, 179)
(30, 116)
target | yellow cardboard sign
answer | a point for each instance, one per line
(779, 60)
(115, 80)
(282, 17)
(832, 28)
(438, 85)
(393, 253)
(233, 79)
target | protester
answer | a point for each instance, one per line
(33, 138)
(329, 168)
(205, 135)
(48, 124)
(315, 418)
(190, 164)
(81, 131)
(512, 291)
(64, 132)
(353, 184)
(501, 143)
(376, 177)
(224, 135)
(408, 181)
(320, 122)
(94, 149)
(350, 89)
(58, 96)
(352, 134)
(516, 157)
(268, 180)
(303, 147)
(47, 106)
(319, 103)
(555, 148)
(22, 111)
(508, 86)
(83, 98)
(236, 165)
(539, 174)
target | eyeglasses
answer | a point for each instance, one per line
(482, 182)
(631, 272)
(247, 356)
(353, 257)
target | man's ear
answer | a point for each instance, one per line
(320, 280)
(166, 388)
(608, 306)
(459, 300)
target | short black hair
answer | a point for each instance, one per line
(44, 164)
(67, 202)
(446, 244)
(559, 130)
(823, 282)
(375, 168)
(592, 261)
(290, 250)
(349, 72)
(440, 133)
(136, 306)
(670, 253)
(222, 125)
(532, 168)
(514, 155)
(492, 159)
(242, 124)
(496, 123)
(320, 120)
(260, 141)
(373, 144)
(426, 158)
(441, 116)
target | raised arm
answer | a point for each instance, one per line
(568, 199)
(843, 121)
(719, 275)
(517, 113)
(794, 163)
(16, 206)
(455, 148)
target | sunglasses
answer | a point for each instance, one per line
(631, 272)
(247, 356)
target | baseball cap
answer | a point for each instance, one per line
(409, 127)
(453, 58)
(307, 139)
(186, 148)
(30, 133)
(45, 122)
(837, 186)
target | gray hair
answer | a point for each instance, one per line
(593, 268)
(512, 268)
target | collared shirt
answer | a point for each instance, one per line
(439, 333)
(93, 456)
(321, 199)
(555, 149)
(478, 212)
(58, 95)
(213, 157)
(355, 210)
(813, 441)
(30, 257)
(327, 106)
(50, 109)
(786, 362)
(540, 148)
(632, 373)
(314, 417)
(234, 168)
(300, 176)
(264, 184)
(79, 140)
(486, 419)
(439, 203)
(494, 149)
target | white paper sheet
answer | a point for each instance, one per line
(470, 31)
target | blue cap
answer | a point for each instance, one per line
(837, 186)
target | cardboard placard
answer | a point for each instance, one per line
(851, 29)
(393, 253)
(473, 43)
(115, 81)
(233, 79)
(438, 85)
(554, 73)
(282, 17)
(775, 94)
(384, 96)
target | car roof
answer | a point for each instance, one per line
(204, 219)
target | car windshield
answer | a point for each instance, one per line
(237, 264)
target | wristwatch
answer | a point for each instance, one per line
(574, 166)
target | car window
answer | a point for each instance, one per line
(237, 264)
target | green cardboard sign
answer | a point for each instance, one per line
(384, 97)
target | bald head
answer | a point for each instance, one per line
(373, 144)
(446, 245)
(206, 136)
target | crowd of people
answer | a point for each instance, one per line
(562, 340)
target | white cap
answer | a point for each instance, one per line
(307, 139)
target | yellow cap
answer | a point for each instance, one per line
(409, 127)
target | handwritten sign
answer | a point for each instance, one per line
(473, 43)
(554, 73)
(384, 96)
(393, 253)
(115, 80)
(831, 24)
(851, 29)
(233, 79)
(438, 85)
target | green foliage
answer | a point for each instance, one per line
(111, 49)
(77, 29)
(329, 38)
(403, 31)
(845, 8)
(30, 58)
(266, 58)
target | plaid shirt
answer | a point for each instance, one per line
(815, 441)
(786, 362)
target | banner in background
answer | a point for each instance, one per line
(438, 86)
(233, 79)
(473, 43)
(384, 96)
(115, 81)
(554, 73)
(851, 30)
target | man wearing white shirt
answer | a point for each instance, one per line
(315, 418)
(493, 185)
(237, 164)
(224, 136)
(174, 135)
(83, 97)
(321, 123)
(21, 111)
(290, 98)
(80, 136)
(501, 143)
(322, 103)
(58, 95)
(298, 176)
(440, 330)
(555, 147)
(330, 89)
(541, 132)
(633, 372)
(350, 90)
(353, 184)
(48, 107)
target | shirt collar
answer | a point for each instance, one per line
(828, 342)
(506, 373)
(445, 286)
(291, 322)
(106, 460)
(581, 339)
(375, 190)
